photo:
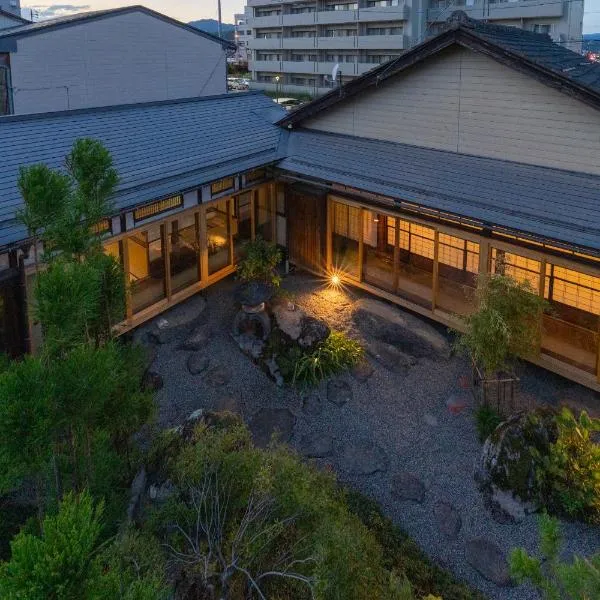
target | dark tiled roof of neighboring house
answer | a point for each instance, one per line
(159, 148)
(77, 18)
(539, 201)
(531, 53)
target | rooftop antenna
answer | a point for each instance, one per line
(219, 17)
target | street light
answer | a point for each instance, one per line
(277, 87)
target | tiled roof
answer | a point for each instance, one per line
(531, 53)
(543, 202)
(159, 148)
(74, 19)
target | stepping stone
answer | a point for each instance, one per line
(389, 357)
(316, 445)
(405, 486)
(431, 420)
(173, 323)
(197, 340)
(361, 457)
(228, 404)
(447, 518)
(152, 382)
(269, 421)
(216, 377)
(456, 403)
(488, 560)
(338, 392)
(197, 363)
(312, 405)
(362, 371)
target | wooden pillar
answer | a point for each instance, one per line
(329, 241)
(198, 244)
(126, 271)
(273, 208)
(166, 244)
(203, 245)
(230, 218)
(253, 215)
(484, 257)
(435, 288)
(396, 255)
(361, 242)
(542, 293)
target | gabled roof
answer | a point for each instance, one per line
(499, 194)
(531, 53)
(159, 148)
(16, 18)
(78, 18)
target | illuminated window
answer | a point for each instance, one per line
(222, 186)
(257, 175)
(458, 253)
(156, 208)
(347, 221)
(102, 227)
(520, 268)
(417, 239)
(573, 288)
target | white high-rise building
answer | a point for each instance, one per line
(243, 35)
(296, 44)
(12, 6)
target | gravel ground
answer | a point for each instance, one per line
(406, 415)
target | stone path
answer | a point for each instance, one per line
(399, 427)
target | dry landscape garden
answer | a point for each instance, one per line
(282, 436)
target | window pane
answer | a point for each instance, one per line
(217, 236)
(378, 252)
(416, 263)
(184, 253)
(146, 268)
(262, 212)
(242, 223)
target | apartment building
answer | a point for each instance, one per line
(297, 44)
(11, 6)
(243, 35)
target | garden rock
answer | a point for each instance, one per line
(197, 363)
(152, 382)
(487, 559)
(506, 472)
(394, 326)
(161, 493)
(362, 371)
(338, 392)
(216, 377)
(269, 421)
(231, 404)
(316, 445)
(361, 457)
(198, 339)
(312, 405)
(313, 333)
(390, 357)
(447, 518)
(405, 486)
(274, 371)
(137, 487)
(171, 324)
(250, 345)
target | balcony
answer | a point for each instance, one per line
(337, 42)
(270, 21)
(269, 66)
(495, 11)
(294, 66)
(382, 42)
(299, 43)
(265, 43)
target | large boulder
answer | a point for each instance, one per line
(298, 327)
(391, 325)
(510, 458)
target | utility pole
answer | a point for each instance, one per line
(219, 18)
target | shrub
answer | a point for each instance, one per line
(486, 420)
(260, 262)
(576, 580)
(336, 354)
(569, 476)
(506, 324)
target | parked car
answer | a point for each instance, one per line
(289, 103)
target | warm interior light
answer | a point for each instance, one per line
(335, 280)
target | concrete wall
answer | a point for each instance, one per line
(126, 58)
(465, 102)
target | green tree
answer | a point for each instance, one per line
(556, 580)
(505, 325)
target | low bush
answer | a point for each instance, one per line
(579, 579)
(569, 476)
(336, 354)
(260, 261)
(486, 420)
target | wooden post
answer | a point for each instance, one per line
(198, 245)
(484, 257)
(203, 245)
(361, 242)
(542, 293)
(396, 254)
(230, 230)
(166, 244)
(329, 241)
(128, 305)
(273, 208)
(435, 287)
(253, 215)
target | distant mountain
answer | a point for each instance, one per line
(212, 26)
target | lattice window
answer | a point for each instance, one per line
(157, 208)
(573, 288)
(520, 268)
(221, 186)
(347, 221)
(458, 253)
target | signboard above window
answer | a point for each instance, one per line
(156, 208)
(224, 185)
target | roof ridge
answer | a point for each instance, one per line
(119, 107)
